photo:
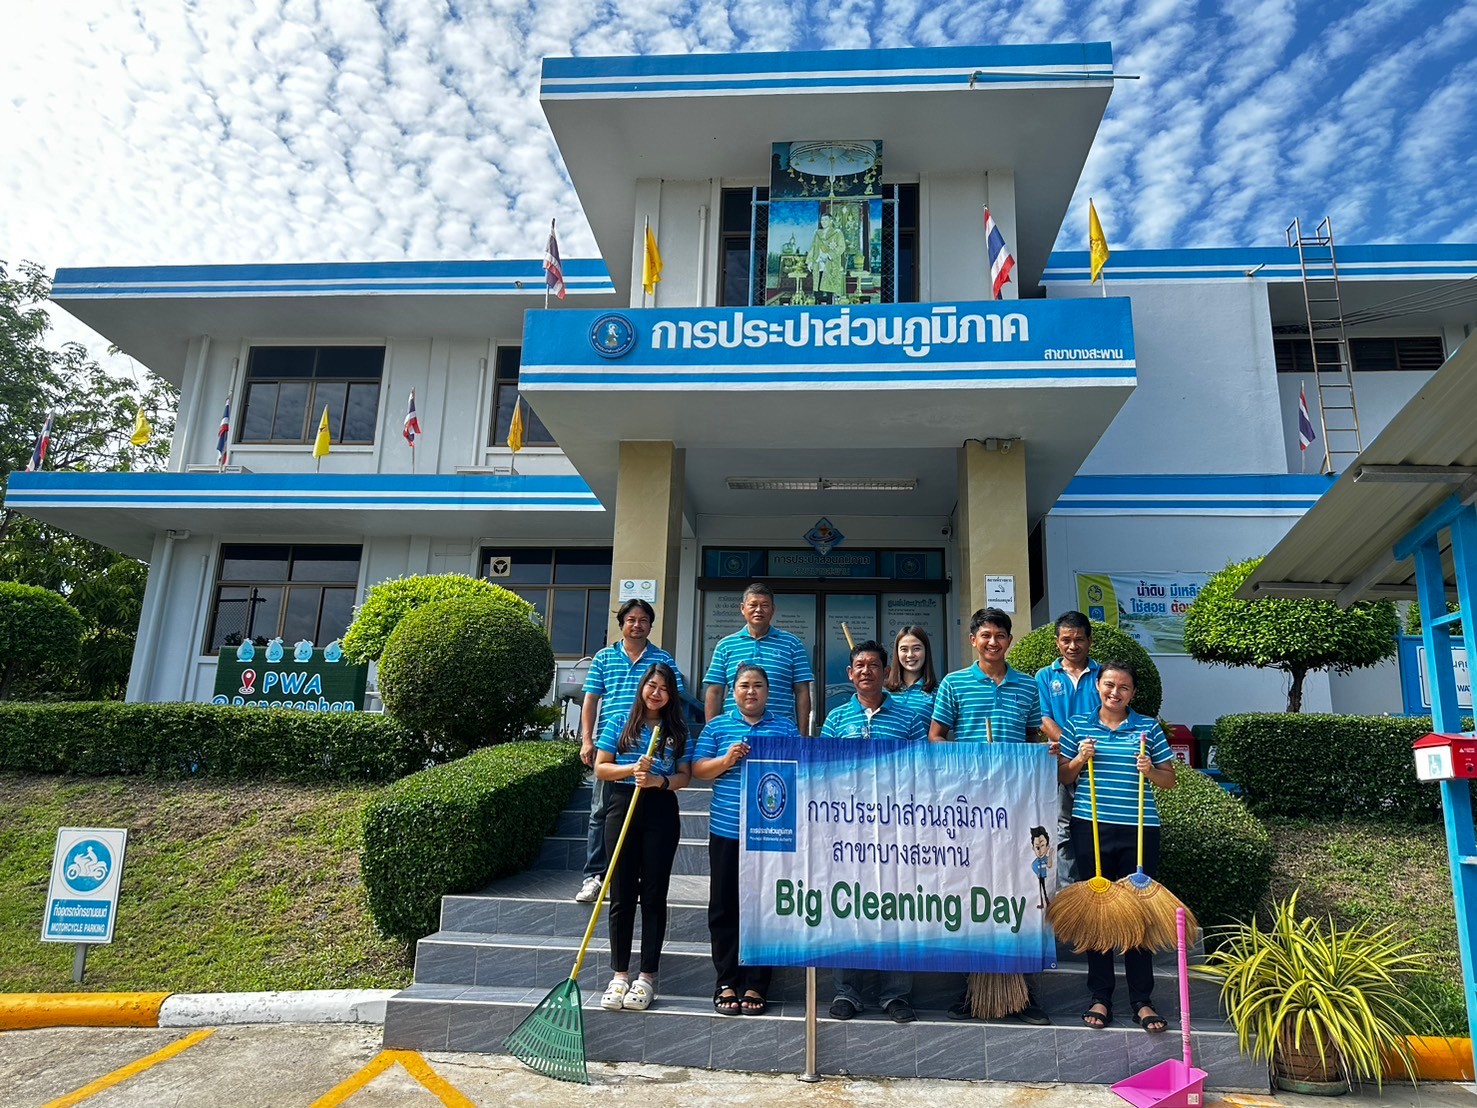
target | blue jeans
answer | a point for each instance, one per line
(891, 985)
(595, 855)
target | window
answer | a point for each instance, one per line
(570, 590)
(505, 394)
(1410, 354)
(287, 388)
(740, 220)
(266, 591)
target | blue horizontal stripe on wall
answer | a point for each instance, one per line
(795, 84)
(1429, 260)
(1190, 492)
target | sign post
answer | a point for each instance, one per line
(82, 901)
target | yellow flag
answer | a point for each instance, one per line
(651, 264)
(515, 431)
(320, 444)
(1097, 242)
(141, 429)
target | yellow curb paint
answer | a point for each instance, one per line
(1436, 1059)
(1246, 1100)
(19, 1011)
(131, 1070)
(413, 1064)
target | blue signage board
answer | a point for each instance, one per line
(1415, 679)
(86, 872)
(937, 345)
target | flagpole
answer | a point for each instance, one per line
(546, 281)
(645, 237)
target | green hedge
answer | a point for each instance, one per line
(204, 740)
(453, 828)
(1213, 854)
(1326, 766)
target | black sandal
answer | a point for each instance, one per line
(753, 1004)
(726, 1001)
(1103, 1018)
(1153, 1023)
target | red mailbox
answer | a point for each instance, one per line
(1445, 757)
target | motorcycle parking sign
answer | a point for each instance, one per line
(82, 901)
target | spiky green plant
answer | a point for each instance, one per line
(1344, 990)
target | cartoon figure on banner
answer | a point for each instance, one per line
(245, 652)
(302, 650)
(274, 650)
(1042, 864)
(334, 651)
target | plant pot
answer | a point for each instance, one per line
(1301, 1070)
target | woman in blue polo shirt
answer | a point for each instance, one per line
(644, 869)
(912, 678)
(721, 750)
(1122, 746)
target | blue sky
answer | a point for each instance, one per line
(152, 132)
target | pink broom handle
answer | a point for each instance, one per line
(1179, 919)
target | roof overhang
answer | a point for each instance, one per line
(1424, 463)
(153, 312)
(956, 109)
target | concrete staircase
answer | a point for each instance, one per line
(499, 951)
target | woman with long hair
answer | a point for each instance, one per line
(911, 677)
(644, 869)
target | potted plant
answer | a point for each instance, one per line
(1324, 1005)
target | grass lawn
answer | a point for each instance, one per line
(226, 887)
(1386, 874)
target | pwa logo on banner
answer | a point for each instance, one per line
(769, 806)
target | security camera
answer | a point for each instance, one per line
(946, 532)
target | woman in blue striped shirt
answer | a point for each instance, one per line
(1122, 746)
(911, 678)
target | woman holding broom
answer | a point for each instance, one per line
(644, 868)
(1122, 745)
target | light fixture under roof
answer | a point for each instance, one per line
(822, 484)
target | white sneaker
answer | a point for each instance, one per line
(589, 891)
(640, 995)
(615, 994)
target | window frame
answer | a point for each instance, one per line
(312, 408)
(535, 434)
(286, 584)
(595, 629)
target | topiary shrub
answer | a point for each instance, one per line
(388, 603)
(1038, 649)
(467, 672)
(40, 633)
(1213, 853)
(454, 828)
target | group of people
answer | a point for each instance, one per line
(758, 685)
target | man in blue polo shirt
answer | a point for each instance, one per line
(610, 690)
(779, 653)
(989, 702)
(1068, 688)
(872, 713)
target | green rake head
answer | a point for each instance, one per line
(551, 1039)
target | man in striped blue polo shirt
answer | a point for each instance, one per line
(1068, 688)
(872, 713)
(610, 690)
(989, 702)
(779, 653)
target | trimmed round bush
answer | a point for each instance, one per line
(40, 633)
(467, 672)
(387, 604)
(1213, 853)
(1109, 644)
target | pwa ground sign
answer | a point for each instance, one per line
(315, 683)
(82, 902)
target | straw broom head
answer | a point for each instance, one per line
(992, 995)
(1158, 906)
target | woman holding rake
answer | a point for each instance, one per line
(1121, 746)
(644, 868)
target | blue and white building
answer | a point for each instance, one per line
(877, 463)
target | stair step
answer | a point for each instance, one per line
(576, 822)
(693, 798)
(568, 852)
(685, 1031)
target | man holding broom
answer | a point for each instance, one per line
(1068, 688)
(989, 702)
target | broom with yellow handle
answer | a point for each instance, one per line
(1159, 905)
(1096, 914)
(551, 1038)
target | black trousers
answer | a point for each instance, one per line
(642, 873)
(723, 921)
(1120, 858)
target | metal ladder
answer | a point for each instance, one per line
(1338, 414)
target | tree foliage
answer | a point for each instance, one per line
(1297, 637)
(390, 601)
(1109, 644)
(93, 418)
(40, 636)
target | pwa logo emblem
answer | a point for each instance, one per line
(769, 822)
(612, 336)
(88, 865)
(773, 796)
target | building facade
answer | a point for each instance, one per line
(821, 392)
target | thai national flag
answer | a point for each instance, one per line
(223, 439)
(553, 268)
(38, 455)
(412, 421)
(1001, 263)
(1305, 425)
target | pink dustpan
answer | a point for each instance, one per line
(1172, 1083)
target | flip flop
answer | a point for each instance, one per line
(1103, 1018)
(1153, 1023)
(753, 1004)
(726, 1002)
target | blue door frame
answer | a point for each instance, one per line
(1423, 544)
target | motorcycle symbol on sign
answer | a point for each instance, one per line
(87, 867)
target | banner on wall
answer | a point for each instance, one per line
(1148, 606)
(825, 223)
(889, 855)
